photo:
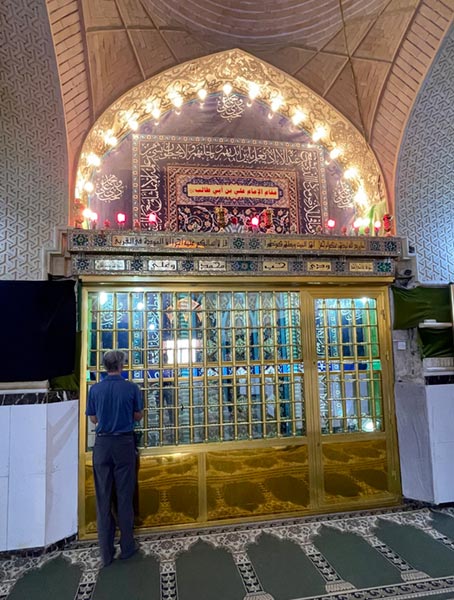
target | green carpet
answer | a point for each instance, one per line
(399, 553)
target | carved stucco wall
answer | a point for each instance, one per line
(33, 156)
(425, 172)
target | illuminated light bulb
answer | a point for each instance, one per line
(177, 101)
(86, 213)
(89, 187)
(109, 138)
(356, 225)
(319, 133)
(276, 103)
(361, 197)
(335, 153)
(254, 90)
(121, 218)
(79, 187)
(227, 89)
(298, 117)
(93, 160)
(156, 113)
(377, 227)
(351, 173)
(93, 218)
(153, 218)
(133, 124)
(255, 221)
(331, 223)
(202, 94)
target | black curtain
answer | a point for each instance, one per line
(38, 328)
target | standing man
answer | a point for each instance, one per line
(113, 405)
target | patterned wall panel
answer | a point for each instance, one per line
(33, 163)
(425, 180)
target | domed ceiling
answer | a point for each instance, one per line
(368, 58)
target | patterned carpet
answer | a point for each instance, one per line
(401, 553)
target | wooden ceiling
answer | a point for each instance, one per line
(368, 58)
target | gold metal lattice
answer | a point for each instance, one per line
(349, 363)
(259, 399)
(213, 365)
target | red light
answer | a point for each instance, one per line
(255, 221)
(152, 218)
(121, 218)
(331, 223)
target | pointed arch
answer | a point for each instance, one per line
(251, 76)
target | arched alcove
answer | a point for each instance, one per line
(249, 372)
(211, 143)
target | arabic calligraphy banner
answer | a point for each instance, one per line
(248, 164)
(183, 180)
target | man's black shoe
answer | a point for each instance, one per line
(131, 553)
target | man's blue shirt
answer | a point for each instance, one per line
(114, 401)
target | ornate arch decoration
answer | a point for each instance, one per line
(236, 71)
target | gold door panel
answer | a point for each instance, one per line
(256, 483)
(260, 400)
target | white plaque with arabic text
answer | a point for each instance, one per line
(361, 267)
(162, 265)
(275, 265)
(111, 264)
(319, 267)
(212, 265)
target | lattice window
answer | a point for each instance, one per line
(213, 365)
(349, 365)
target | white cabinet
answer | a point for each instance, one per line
(38, 474)
(425, 425)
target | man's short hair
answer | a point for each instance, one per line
(113, 360)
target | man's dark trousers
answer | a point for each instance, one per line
(114, 461)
